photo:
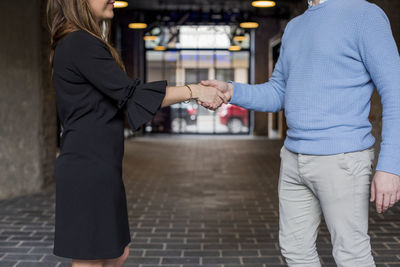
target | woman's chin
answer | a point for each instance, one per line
(109, 15)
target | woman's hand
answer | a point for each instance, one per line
(209, 97)
(224, 87)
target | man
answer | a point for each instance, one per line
(331, 57)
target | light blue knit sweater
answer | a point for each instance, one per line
(331, 57)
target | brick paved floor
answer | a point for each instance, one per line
(192, 202)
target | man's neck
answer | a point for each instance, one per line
(315, 2)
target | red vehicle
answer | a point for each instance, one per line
(234, 117)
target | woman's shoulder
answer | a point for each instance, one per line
(80, 40)
(77, 47)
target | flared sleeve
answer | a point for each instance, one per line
(146, 99)
(92, 60)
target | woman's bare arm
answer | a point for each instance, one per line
(210, 95)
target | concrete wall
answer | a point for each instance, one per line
(27, 106)
(48, 128)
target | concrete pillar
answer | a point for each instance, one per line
(28, 131)
(268, 28)
(132, 47)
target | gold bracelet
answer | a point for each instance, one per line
(191, 94)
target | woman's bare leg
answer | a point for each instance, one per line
(117, 262)
(87, 263)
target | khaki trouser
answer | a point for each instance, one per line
(336, 186)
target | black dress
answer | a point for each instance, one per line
(93, 94)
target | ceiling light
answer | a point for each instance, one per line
(249, 25)
(240, 38)
(137, 25)
(234, 48)
(150, 38)
(120, 4)
(263, 3)
(160, 48)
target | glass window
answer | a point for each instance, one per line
(202, 55)
(195, 75)
(224, 74)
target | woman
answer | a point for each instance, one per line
(93, 94)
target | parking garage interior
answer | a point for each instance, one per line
(213, 199)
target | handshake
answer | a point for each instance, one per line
(211, 94)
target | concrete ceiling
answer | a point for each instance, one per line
(242, 5)
(196, 12)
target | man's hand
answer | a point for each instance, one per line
(385, 190)
(224, 87)
(211, 97)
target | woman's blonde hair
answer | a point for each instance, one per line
(66, 16)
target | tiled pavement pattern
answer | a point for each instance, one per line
(192, 202)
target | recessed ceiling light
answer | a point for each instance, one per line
(249, 25)
(120, 4)
(160, 48)
(240, 38)
(137, 25)
(234, 48)
(263, 3)
(150, 38)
